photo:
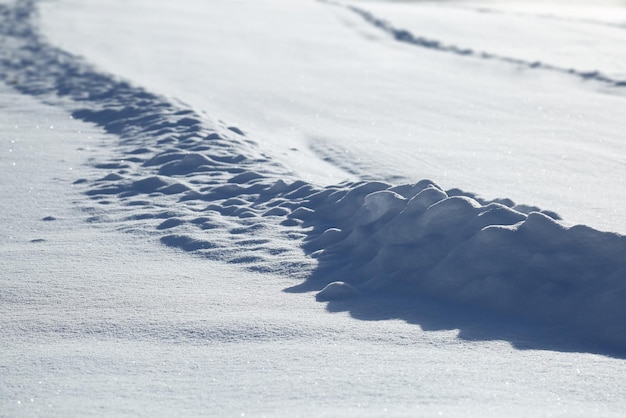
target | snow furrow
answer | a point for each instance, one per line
(405, 36)
(205, 187)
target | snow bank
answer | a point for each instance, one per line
(417, 239)
(205, 187)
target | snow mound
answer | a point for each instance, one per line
(419, 240)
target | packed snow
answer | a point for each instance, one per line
(284, 164)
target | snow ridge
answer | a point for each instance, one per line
(403, 35)
(417, 239)
(204, 187)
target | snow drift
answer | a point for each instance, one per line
(418, 239)
(188, 179)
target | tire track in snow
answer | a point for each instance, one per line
(204, 187)
(405, 36)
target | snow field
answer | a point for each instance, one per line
(189, 180)
(536, 38)
(424, 283)
(101, 323)
(343, 90)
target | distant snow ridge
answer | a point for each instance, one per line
(405, 36)
(204, 187)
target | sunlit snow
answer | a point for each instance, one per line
(312, 207)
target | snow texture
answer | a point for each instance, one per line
(181, 175)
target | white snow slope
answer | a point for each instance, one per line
(340, 87)
(103, 323)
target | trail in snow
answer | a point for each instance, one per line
(178, 172)
(405, 36)
(205, 187)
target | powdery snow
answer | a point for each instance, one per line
(184, 176)
(440, 257)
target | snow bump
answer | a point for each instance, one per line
(336, 291)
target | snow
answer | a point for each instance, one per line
(452, 247)
(336, 291)
(521, 36)
(337, 88)
(184, 197)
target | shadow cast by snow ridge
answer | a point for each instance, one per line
(472, 324)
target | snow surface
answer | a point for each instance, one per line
(443, 302)
(340, 88)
